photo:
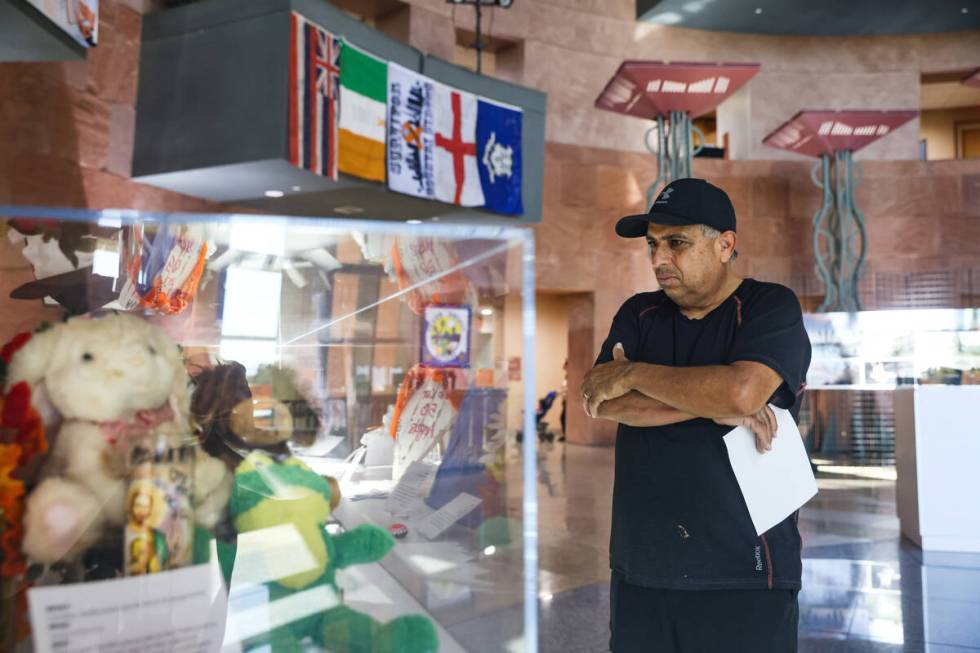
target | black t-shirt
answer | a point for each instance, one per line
(679, 520)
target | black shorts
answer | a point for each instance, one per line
(648, 620)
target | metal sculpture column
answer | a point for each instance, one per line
(840, 240)
(672, 94)
(673, 151)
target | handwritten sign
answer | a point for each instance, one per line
(426, 421)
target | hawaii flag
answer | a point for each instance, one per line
(314, 81)
(363, 94)
(457, 175)
(411, 133)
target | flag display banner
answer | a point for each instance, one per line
(363, 105)
(457, 177)
(498, 137)
(411, 133)
(314, 90)
(352, 112)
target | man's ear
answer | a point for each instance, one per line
(725, 245)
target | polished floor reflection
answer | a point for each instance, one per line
(865, 588)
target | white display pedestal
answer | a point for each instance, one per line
(937, 456)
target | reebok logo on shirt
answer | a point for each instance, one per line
(758, 558)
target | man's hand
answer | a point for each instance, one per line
(763, 424)
(606, 381)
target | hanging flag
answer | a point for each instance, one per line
(363, 94)
(457, 177)
(411, 133)
(314, 80)
(498, 137)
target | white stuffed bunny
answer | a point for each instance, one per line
(107, 380)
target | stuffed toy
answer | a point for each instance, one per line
(105, 381)
(269, 493)
(233, 422)
(224, 409)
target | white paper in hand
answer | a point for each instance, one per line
(775, 483)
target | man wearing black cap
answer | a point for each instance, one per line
(680, 367)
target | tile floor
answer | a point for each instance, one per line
(865, 589)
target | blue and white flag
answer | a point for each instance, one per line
(498, 137)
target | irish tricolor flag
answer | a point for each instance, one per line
(363, 102)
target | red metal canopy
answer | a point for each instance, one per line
(647, 89)
(813, 133)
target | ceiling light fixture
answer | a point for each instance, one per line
(413, 222)
(758, 10)
(274, 193)
(348, 209)
(296, 188)
(486, 312)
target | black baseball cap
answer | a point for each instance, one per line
(682, 202)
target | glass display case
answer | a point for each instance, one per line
(858, 361)
(239, 432)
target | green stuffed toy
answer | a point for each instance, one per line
(268, 493)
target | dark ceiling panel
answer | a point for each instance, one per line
(815, 18)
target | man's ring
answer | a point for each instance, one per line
(587, 396)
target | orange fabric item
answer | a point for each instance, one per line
(182, 297)
(449, 289)
(156, 298)
(453, 382)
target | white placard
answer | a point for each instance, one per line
(408, 492)
(775, 483)
(180, 610)
(434, 525)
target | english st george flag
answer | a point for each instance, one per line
(314, 81)
(457, 176)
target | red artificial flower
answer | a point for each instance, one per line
(18, 415)
(9, 349)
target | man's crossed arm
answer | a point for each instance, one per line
(642, 394)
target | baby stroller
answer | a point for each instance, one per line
(544, 405)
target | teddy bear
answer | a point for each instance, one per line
(273, 492)
(100, 382)
(226, 412)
